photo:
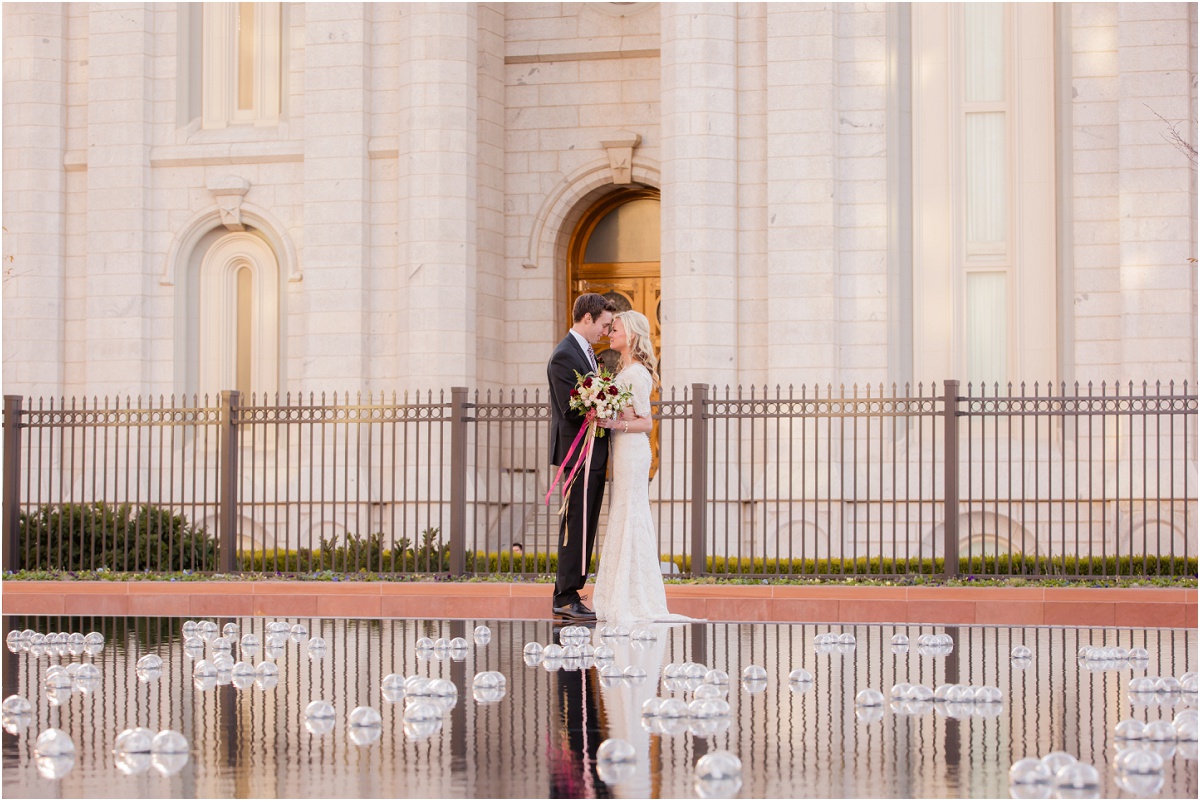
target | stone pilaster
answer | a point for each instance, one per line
(437, 172)
(120, 280)
(1157, 191)
(802, 196)
(337, 196)
(34, 190)
(700, 192)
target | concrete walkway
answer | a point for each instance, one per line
(997, 606)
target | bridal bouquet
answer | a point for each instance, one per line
(597, 397)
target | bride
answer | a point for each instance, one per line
(629, 584)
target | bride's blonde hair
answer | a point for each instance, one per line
(641, 346)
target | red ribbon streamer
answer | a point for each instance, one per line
(585, 461)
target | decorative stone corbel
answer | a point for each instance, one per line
(228, 191)
(620, 147)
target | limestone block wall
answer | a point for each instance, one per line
(1134, 196)
(426, 217)
(572, 76)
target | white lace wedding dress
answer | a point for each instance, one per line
(629, 585)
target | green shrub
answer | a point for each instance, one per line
(78, 536)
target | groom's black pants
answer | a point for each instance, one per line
(571, 563)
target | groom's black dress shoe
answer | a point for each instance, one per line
(575, 611)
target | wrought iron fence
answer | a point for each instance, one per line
(796, 482)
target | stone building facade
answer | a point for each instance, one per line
(308, 197)
(849, 193)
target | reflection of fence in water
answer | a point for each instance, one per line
(251, 742)
(754, 474)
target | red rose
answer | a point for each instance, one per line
(613, 391)
(574, 393)
(587, 383)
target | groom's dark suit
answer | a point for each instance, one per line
(569, 358)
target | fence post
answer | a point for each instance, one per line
(12, 482)
(227, 512)
(699, 481)
(458, 480)
(950, 540)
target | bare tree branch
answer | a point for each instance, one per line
(1174, 139)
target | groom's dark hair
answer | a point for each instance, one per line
(593, 304)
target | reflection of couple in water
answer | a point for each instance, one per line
(593, 713)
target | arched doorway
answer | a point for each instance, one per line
(615, 250)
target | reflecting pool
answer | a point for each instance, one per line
(536, 732)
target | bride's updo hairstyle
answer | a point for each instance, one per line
(641, 347)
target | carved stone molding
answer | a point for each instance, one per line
(228, 191)
(620, 147)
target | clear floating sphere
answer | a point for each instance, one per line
(487, 680)
(846, 638)
(899, 639)
(1186, 730)
(250, 643)
(17, 705)
(672, 708)
(615, 749)
(611, 672)
(365, 716)
(1077, 780)
(319, 709)
(1141, 684)
(635, 672)
(482, 635)
(229, 631)
(919, 693)
(421, 712)
(189, 628)
(134, 741)
(364, 735)
(1029, 770)
(442, 688)
(93, 639)
(169, 741)
(716, 677)
(754, 673)
(1138, 655)
(718, 765)
(1057, 760)
(223, 662)
(620, 631)
(900, 691)
(1022, 652)
(150, 662)
(643, 635)
(650, 707)
(533, 649)
(424, 644)
(132, 763)
(204, 669)
(220, 644)
(458, 644)
(1129, 729)
(54, 743)
(417, 686)
(708, 691)
(1139, 761)
(604, 653)
(1160, 731)
(316, 648)
(868, 697)
(552, 651)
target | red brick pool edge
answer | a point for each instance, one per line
(1001, 606)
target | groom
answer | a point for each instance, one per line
(593, 315)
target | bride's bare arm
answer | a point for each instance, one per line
(629, 423)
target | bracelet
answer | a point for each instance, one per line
(626, 426)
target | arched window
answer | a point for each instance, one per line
(238, 316)
(232, 63)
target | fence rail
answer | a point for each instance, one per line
(923, 480)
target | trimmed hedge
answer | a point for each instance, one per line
(126, 538)
(79, 536)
